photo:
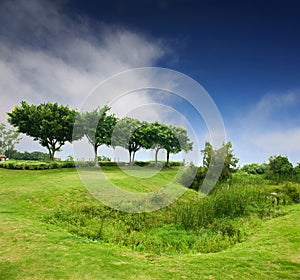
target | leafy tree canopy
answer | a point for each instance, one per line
(280, 168)
(49, 123)
(222, 156)
(130, 134)
(98, 127)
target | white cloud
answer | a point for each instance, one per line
(270, 127)
(282, 142)
(60, 59)
(272, 102)
(47, 56)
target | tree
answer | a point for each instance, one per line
(159, 136)
(30, 156)
(280, 168)
(98, 127)
(154, 137)
(49, 123)
(176, 140)
(223, 156)
(129, 134)
(255, 168)
(297, 173)
(8, 139)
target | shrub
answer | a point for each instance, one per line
(292, 190)
(159, 164)
(192, 177)
(279, 169)
(35, 165)
(255, 168)
(112, 163)
(30, 156)
(287, 192)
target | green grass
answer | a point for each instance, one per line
(32, 248)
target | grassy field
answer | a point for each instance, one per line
(31, 247)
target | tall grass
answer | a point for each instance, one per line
(207, 224)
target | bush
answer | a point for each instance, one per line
(103, 158)
(84, 164)
(292, 190)
(35, 165)
(279, 169)
(255, 168)
(287, 193)
(30, 156)
(159, 164)
(192, 177)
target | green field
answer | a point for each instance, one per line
(37, 241)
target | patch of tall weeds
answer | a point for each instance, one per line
(208, 224)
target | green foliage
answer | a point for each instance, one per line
(158, 164)
(30, 156)
(296, 174)
(97, 126)
(255, 168)
(31, 238)
(279, 168)
(132, 135)
(287, 193)
(180, 141)
(231, 203)
(207, 224)
(192, 177)
(35, 164)
(129, 134)
(221, 159)
(104, 158)
(173, 139)
(155, 137)
(50, 124)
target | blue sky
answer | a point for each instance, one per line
(246, 55)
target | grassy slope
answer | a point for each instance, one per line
(32, 249)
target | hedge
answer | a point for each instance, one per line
(40, 165)
(35, 165)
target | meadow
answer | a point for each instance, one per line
(53, 228)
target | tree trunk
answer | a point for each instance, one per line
(96, 156)
(156, 155)
(133, 156)
(129, 157)
(168, 159)
(51, 150)
(52, 156)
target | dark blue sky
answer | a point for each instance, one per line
(237, 50)
(244, 53)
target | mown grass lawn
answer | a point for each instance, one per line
(31, 248)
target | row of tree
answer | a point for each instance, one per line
(36, 155)
(53, 125)
(278, 169)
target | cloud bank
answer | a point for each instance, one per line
(46, 55)
(269, 127)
